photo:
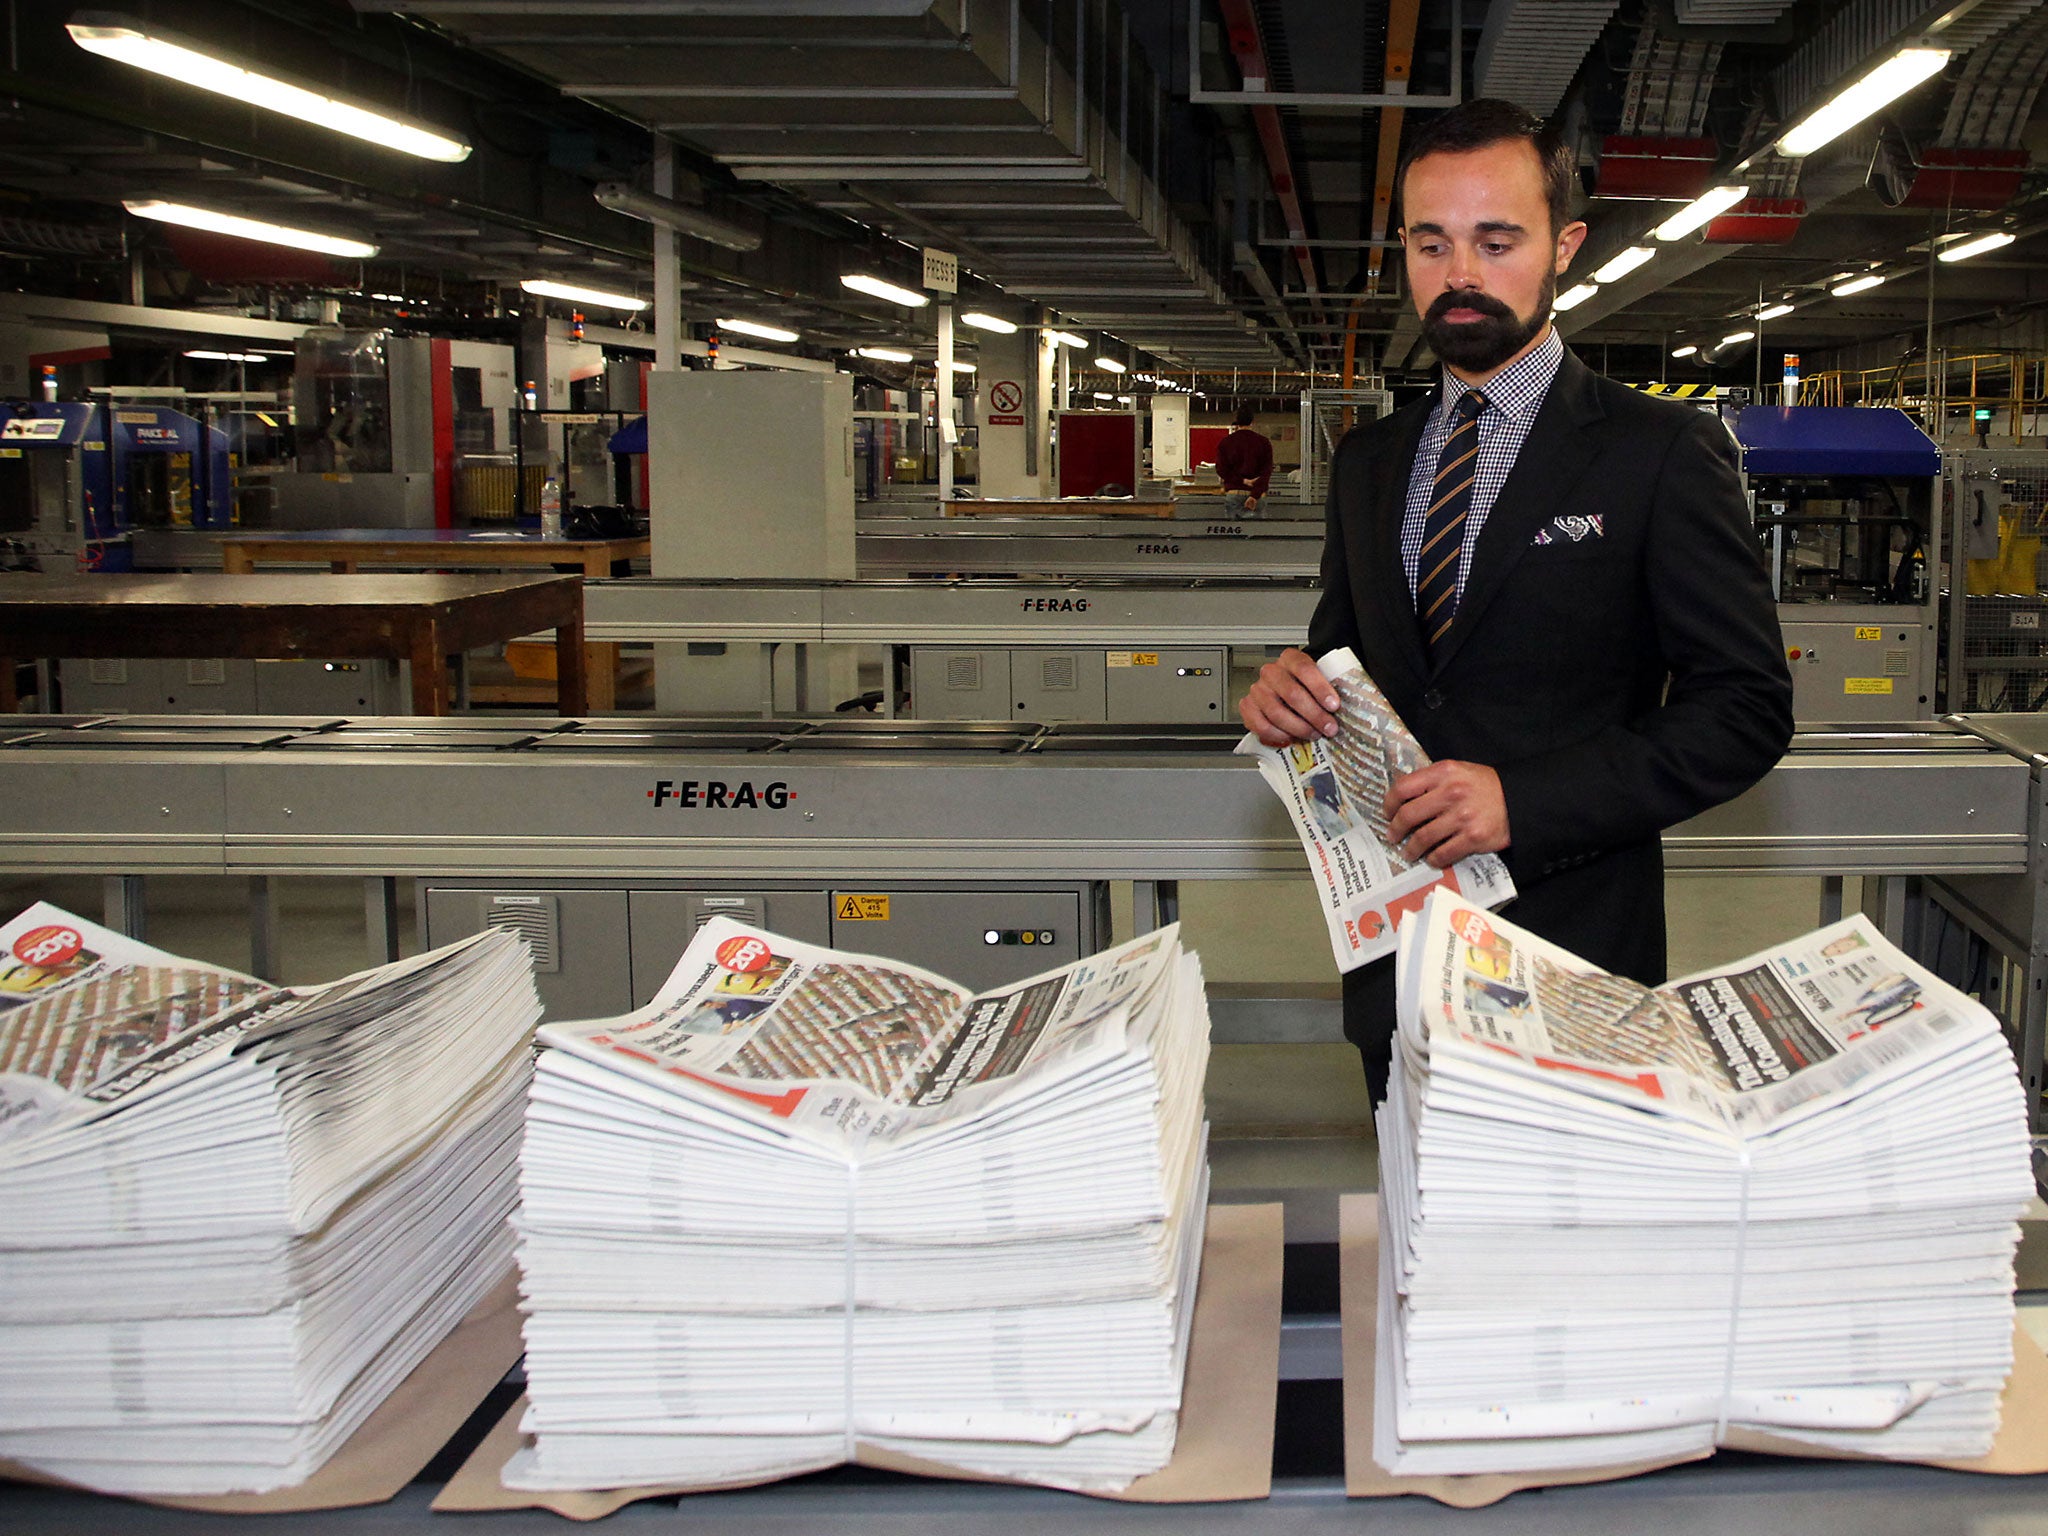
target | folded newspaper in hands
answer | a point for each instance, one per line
(237, 1215)
(1335, 790)
(1780, 1197)
(807, 1202)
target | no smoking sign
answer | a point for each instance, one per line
(1006, 403)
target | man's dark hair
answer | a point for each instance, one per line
(1486, 120)
(1245, 416)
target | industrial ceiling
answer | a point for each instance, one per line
(1208, 184)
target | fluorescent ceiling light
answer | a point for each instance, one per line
(1066, 338)
(883, 354)
(754, 328)
(981, 322)
(1876, 90)
(1572, 298)
(1685, 351)
(1110, 365)
(249, 229)
(548, 289)
(128, 41)
(1734, 336)
(1774, 311)
(229, 357)
(1101, 396)
(862, 282)
(1857, 285)
(670, 214)
(1702, 210)
(1624, 264)
(1978, 246)
(960, 367)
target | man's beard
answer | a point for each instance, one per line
(1480, 346)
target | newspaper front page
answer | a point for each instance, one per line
(841, 1049)
(90, 1018)
(1751, 1046)
(1335, 790)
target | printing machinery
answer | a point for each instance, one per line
(605, 841)
(1213, 545)
(77, 477)
(1844, 505)
(1099, 650)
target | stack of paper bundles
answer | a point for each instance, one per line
(808, 1199)
(1619, 1223)
(236, 1216)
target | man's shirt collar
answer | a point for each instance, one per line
(1518, 389)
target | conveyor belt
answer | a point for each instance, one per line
(1112, 613)
(1088, 547)
(865, 799)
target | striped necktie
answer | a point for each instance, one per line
(1450, 498)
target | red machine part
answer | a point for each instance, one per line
(1635, 165)
(1758, 221)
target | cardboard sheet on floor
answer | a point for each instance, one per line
(1224, 1450)
(2021, 1446)
(395, 1443)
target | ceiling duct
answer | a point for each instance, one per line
(38, 237)
(1995, 93)
(1529, 50)
(1728, 13)
(959, 126)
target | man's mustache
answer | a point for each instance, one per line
(1479, 303)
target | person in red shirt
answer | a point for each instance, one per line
(1245, 461)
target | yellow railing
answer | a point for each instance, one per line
(2011, 383)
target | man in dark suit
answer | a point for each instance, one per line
(1552, 577)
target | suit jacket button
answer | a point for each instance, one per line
(1433, 700)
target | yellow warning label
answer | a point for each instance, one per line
(1866, 685)
(1144, 658)
(136, 418)
(1869, 632)
(868, 909)
(10, 453)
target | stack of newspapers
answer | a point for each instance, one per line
(810, 1203)
(232, 1216)
(1622, 1224)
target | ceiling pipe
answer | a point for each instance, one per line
(1241, 29)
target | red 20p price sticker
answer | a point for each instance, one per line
(1472, 928)
(744, 955)
(51, 945)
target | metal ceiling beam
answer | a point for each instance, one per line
(1241, 26)
(1255, 94)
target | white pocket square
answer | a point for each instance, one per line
(1573, 528)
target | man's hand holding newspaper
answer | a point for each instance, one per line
(1376, 817)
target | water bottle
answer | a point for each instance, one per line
(551, 508)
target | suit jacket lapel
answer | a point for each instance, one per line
(1395, 603)
(1554, 455)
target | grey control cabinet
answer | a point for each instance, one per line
(954, 683)
(176, 685)
(1049, 684)
(1181, 686)
(601, 949)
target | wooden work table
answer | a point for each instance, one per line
(347, 549)
(423, 619)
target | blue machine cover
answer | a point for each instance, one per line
(631, 438)
(1834, 440)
